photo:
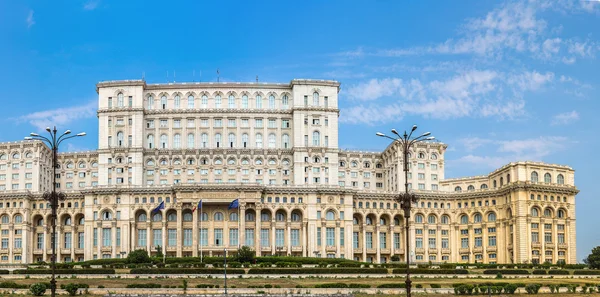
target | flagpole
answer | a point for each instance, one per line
(201, 230)
(239, 227)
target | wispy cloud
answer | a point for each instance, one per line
(91, 5)
(565, 118)
(532, 149)
(30, 20)
(59, 116)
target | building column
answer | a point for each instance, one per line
(425, 242)
(132, 239)
(288, 240)
(45, 247)
(257, 232)
(195, 232)
(337, 239)
(59, 233)
(304, 239)
(149, 237)
(323, 240)
(364, 242)
(113, 239)
(25, 242)
(377, 244)
(242, 229)
(272, 237)
(179, 232)
(164, 236)
(73, 243)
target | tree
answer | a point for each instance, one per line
(593, 260)
(72, 289)
(159, 252)
(37, 289)
(245, 254)
(138, 256)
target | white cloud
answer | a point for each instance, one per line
(30, 21)
(372, 114)
(531, 80)
(375, 89)
(565, 118)
(60, 116)
(91, 5)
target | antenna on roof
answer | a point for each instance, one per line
(218, 75)
(257, 79)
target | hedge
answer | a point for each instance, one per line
(432, 271)
(302, 260)
(184, 271)
(78, 286)
(586, 272)
(12, 285)
(558, 272)
(506, 271)
(66, 271)
(540, 271)
(143, 286)
(3, 271)
(317, 271)
(103, 262)
(394, 286)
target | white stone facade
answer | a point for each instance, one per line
(275, 148)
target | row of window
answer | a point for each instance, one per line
(204, 142)
(217, 161)
(560, 179)
(15, 156)
(217, 123)
(218, 101)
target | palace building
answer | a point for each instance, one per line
(273, 146)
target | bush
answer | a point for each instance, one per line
(143, 286)
(138, 256)
(575, 266)
(38, 289)
(435, 286)
(12, 285)
(586, 272)
(395, 258)
(540, 272)
(419, 286)
(3, 271)
(204, 286)
(447, 266)
(245, 254)
(392, 286)
(184, 271)
(72, 289)
(317, 271)
(301, 260)
(510, 289)
(331, 285)
(79, 286)
(558, 272)
(433, 271)
(506, 271)
(533, 288)
(66, 271)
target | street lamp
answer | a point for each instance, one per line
(53, 142)
(407, 199)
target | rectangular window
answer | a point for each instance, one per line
(218, 233)
(187, 237)
(432, 243)
(250, 237)
(535, 237)
(204, 237)
(445, 243)
(330, 236)
(172, 237)
(295, 237)
(141, 238)
(561, 238)
(95, 237)
(279, 237)
(383, 240)
(419, 243)
(464, 243)
(40, 241)
(233, 237)
(492, 241)
(478, 241)
(157, 237)
(548, 237)
(342, 236)
(319, 236)
(81, 240)
(106, 237)
(264, 237)
(369, 240)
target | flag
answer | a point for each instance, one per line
(198, 206)
(159, 207)
(234, 204)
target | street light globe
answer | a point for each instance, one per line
(379, 134)
(81, 134)
(414, 127)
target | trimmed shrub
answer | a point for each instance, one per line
(3, 271)
(331, 285)
(12, 285)
(204, 286)
(317, 271)
(533, 288)
(38, 289)
(510, 289)
(79, 286)
(143, 286)
(506, 271)
(433, 271)
(586, 272)
(435, 286)
(66, 271)
(447, 266)
(71, 288)
(575, 266)
(184, 271)
(558, 272)
(301, 260)
(540, 272)
(392, 286)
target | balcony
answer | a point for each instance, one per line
(384, 251)
(536, 245)
(419, 251)
(296, 249)
(330, 248)
(446, 251)
(106, 249)
(433, 250)
(265, 248)
(79, 251)
(478, 249)
(549, 246)
(464, 251)
(399, 251)
(139, 247)
(38, 251)
(491, 249)
(562, 246)
(65, 251)
(171, 248)
(371, 251)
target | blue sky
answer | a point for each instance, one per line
(496, 81)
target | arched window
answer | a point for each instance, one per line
(231, 101)
(494, 183)
(233, 217)
(120, 139)
(204, 140)
(231, 161)
(150, 102)
(470, 188)
(316, 138)
(5, 219)
(271, 102)
(218, 161)
(285, 101)
(421, 155)
(272, 162)
(535, 212)
(190, 101)
(82, 221)
(188, 217)
(501, 181)
(218, 101)
(218, 217)
(258, 101)
(419, 218)
(259, 140)
(295, 217)
(315, 99)
(258, 161)
(285, 162)
(231, 139)
(457, 189)
(142, 217)
(157, 217)
(477, 218)
(18, 219)
(355, 221)
(40, 222)
(163, 102)
(431, 219)
(547, 178)
(548, 212)
(534, 177)
(265, 216)
(177, 141)
(280, 217)
(204, 217)
(250, 217)
(464, 219)
(434, 157)
(491, 217)
(150, 141)
(204, 101)
(561, 213)
(244, 140)
(163, 141)
(177, 102)
(67, 221)
(445, 219)
(218, 139)
(483, 186)
(285, 141)
(190, 140)
(3, 157)
(172, 217)
(382, 221)
(272, 140)
(560, 179)
(330, 215)
(369, 221)
(120, 100)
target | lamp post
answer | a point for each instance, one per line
(53, 142)
(407, 199)
(225, 268)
